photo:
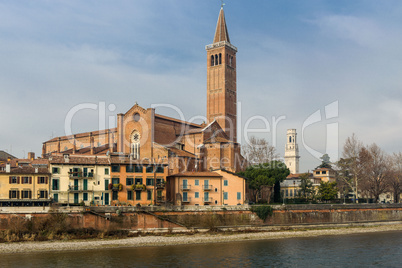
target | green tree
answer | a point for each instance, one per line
(327, 191)
(326, 163)
(306, 191)
(265, 176)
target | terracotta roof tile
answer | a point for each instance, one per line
(197, 174)
(79, 160)
(181, 153)
(176, 120)
(26, 170)
(85, 134)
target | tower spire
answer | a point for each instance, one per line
(221, 33)
(221, 80)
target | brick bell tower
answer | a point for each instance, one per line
(221, 80)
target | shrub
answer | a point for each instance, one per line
(262, 211)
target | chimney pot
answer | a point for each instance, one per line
(8, 168)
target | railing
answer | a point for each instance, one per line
(207, 200)
(139, 187)
(207, 187)
(185, 187)
(160, 185)
(75, 174)
(219, 44)
(80, 174)
(160, 199)
(74, 188)
(187, 200)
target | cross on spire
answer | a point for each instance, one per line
(222, 4)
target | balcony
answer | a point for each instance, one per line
(160, 199)
(207, 200)
(160, 185)
(185, 187)
(74, 188)
(207, 187)
(187, 200)
(139, 187)
(115, 187)
(75, 175)
(80, 175)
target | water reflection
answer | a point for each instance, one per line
(381, 249)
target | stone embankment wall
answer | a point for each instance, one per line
(211, 217)
(334, 214)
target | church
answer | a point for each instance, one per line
(158, 159)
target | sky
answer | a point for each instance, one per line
(326, 68)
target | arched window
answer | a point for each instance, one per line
(216, 59)
(231, 61)
(220, 58)
(135, 145)
(212, 60)
(290, 139)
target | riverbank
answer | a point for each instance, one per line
(176, 239)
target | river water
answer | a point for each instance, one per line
(382, 249)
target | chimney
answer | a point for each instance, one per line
(36, 170)
(16, 163)
(44, 150)
(74, 146)
(66, 158)
(113, 145)
(8, 168)
(58, 146)
(31, 155)
(91, 140)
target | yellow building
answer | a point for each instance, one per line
(324, 175)
(24, 186)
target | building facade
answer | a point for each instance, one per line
(24, 185)
(148, 151)
(79, 180)
(292, 151)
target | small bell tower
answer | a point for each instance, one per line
(292, 152)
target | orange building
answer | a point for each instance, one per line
(144, 138)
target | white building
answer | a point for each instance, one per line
(292, 152)
(80, 178)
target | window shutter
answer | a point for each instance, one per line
(46, 194)
(18, 180)
(46, 180)
(18, 194)
(30, 180)
(10, 179)
(30, 194)
(9, 194)
(38, 180)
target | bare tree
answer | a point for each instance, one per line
(376, 170)
(258, 151)
(350, 167)
(395, 178)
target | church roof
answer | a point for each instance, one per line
(221, 33)
(181, 153)
(81, 135)
(4, 156)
